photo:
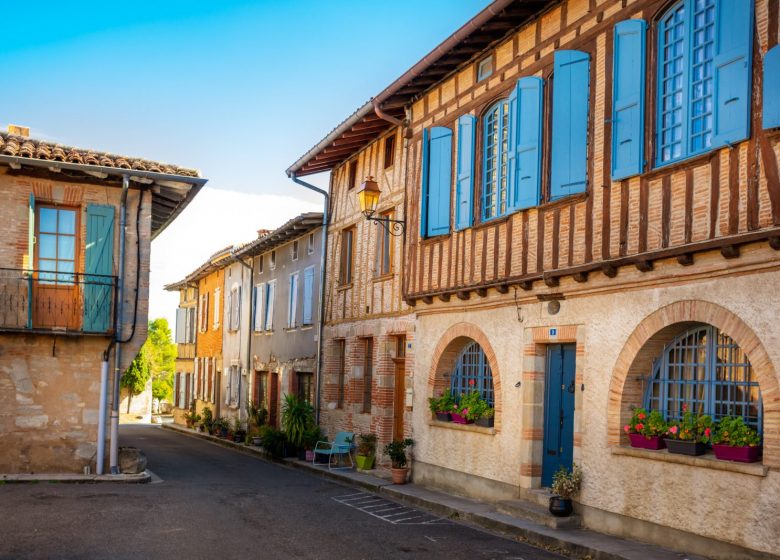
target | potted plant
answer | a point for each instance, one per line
(646, 429)
(733, 440)
(312, 435)
(239, 433)
(366, 451)
(478, 410)
(469, 408)
(273, 441)
(690, 435)
(396, 450)
(442, 407)
(487, 418)
(565, 486)
(297, 417)
(221, 427)
(256, 416)
(207, 420)
(191, 417)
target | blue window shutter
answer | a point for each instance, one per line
(439, 180)
(466, 135)
(308, 294)
(424, 188)
(570, 123)
(772, 88)
(628, 99)
(733, 46)
(511, 154)
(99, 260)
(529, 142)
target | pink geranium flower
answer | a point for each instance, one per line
(673, 430)
(627, 428)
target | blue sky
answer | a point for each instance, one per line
(237, 89)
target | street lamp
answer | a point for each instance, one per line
(368, 198)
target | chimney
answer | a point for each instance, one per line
(263, 232)
(19, 130)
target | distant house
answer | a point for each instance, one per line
(74, 282)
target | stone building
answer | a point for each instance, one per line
(593, 207)
(74, 288)
(284, 287)
(368, 333)
(184, 337)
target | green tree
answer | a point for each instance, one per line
(162, 354)
(136, 376)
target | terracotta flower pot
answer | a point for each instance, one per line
(399, 475)
(742, 454)
(643, 442)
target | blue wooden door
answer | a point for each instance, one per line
(558, 410)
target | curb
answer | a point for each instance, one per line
(140, 478)
(578, 543)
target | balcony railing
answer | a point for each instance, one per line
(67, 302)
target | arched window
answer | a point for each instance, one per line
(708, 372)
(495, 174)
(472, 373)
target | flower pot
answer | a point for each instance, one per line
(458, 419)
(365, 462)
(485, 421)
(257, 440)
(685, 447)
(560, 507)
(309, 455)
(443, 417)
(399, 475)
(645, 442)
(743, 454)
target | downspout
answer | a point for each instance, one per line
(323, 260)
(114, 450)
(101, 438)
(251, 269)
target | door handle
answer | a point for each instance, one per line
(551, 452)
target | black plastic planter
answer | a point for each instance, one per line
(685, 447)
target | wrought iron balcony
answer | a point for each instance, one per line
(56, 302)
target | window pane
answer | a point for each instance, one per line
(67, 223)
(48, 220)
(66, 248)
(47, 247)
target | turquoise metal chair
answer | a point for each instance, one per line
(341, 446)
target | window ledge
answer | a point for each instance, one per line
(342, 287)
(383, 277)
(463, 427)
(707, 461)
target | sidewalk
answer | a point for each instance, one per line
(578, 543)
(139, 478)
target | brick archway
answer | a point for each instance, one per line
(450, 345)
(655, 330)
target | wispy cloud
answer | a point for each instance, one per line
(215, 219)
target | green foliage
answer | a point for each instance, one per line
(366, 445)
(162, 358)
(135, 377)
(297, 418)
(396, 450)
(732, 430)
(312, 435)
(207, 421)
(443, 404)
(692, 427)
(472, 406)
(273, 441)
(649, 424)
(257, 416)
(191, 416)
(567, 484)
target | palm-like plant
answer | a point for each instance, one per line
(297, 418)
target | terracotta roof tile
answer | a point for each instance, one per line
(12, 145)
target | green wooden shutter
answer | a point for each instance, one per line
(99, 265)
(733, 42)
(628, 99)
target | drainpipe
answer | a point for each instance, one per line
(323, 259)
(114, 450)
(101, 438)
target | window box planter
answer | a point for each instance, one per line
(685, 447)
(443, 417)
(486, 422)
(644, 442)
(742, 454)
(458, 419)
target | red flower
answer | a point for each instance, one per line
(707, 432)
(673, 430)
(685, 407)
(471, 382)
(627, 428)
(641, 416)
(640, 427)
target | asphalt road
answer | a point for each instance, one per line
(216, 503)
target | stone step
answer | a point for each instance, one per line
(537, 514)
(539, 496)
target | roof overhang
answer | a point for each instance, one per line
(300, 225)
(487, 28)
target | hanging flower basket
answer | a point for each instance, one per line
(646, 442)
(741, 454)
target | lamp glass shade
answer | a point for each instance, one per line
(368, 196)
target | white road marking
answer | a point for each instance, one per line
(387, 510)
